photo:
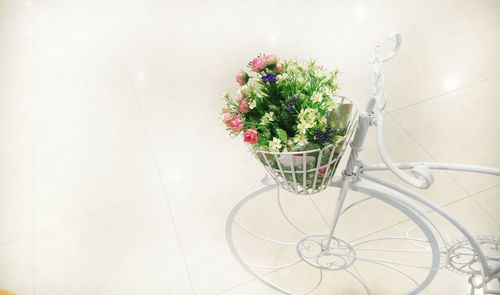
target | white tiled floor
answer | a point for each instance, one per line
(116, 176)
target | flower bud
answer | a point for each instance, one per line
(242, 78)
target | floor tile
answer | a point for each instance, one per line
(466, 211)
(477, 44)
(16, 120)
(130, 249)
(459, 127)
(16, 266)
(401, 147)
(254, 287)
(471, 216)
(91, 171)
(16, 152)
(428, 13)
(92, 150)
(101, 101)
(495, 81)
(16, 194)
(200, 209)
(488, 200)
(375, 276)
(419, 71)
(178, 141)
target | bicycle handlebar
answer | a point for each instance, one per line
(421, 176)
(396, 38)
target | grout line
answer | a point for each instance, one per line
(18, 238)
(208, 174)
(435, 96)
(113, 206)
(448, 20)
(494, 77)
(486, 211)
(453, 177)
(70, 221)
(320, 213)
(429, 154)
(163, 189)
(328, 228)
(236, 286)
(428, 212)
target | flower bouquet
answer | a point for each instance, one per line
(289, 113)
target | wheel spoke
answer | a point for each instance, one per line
(389, 238)
(361, 281)
(317, 284)
(354, 204)
(392, 250)
(396, 270)
(391, 262)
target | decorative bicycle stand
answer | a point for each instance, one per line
(333, 255)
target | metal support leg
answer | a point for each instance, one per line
(338, 209)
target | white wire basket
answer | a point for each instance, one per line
(310, 171)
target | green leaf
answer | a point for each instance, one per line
(282, 135)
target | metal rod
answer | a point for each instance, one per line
(336, 213)
(436, 166)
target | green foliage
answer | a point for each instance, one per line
(291, 105)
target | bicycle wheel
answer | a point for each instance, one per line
(280, 239)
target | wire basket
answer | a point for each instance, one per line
(308, 172)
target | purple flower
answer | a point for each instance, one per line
(290, 104)
(269, 78)
(324, 136)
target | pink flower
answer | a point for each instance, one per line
(226, 118)
(258, 64)
(251, 136)
(271, 60)
(278, 69)
(235, 123)
(244, 106)
(322, 171)
(242, 78)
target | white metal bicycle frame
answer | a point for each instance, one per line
(395, 195)
(420, 177)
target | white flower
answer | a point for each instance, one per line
(252, 104)
(300, 139)
(317, 97)
(323, 120)
(328, 92)
(245, 90)
(275, 145)
(311, 115)
(302, 115)
(331, 105)
(268, 117)
(302, 127)
(307, 117)
(282, 77)
(301, 80)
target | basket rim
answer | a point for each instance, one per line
(299, 152)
